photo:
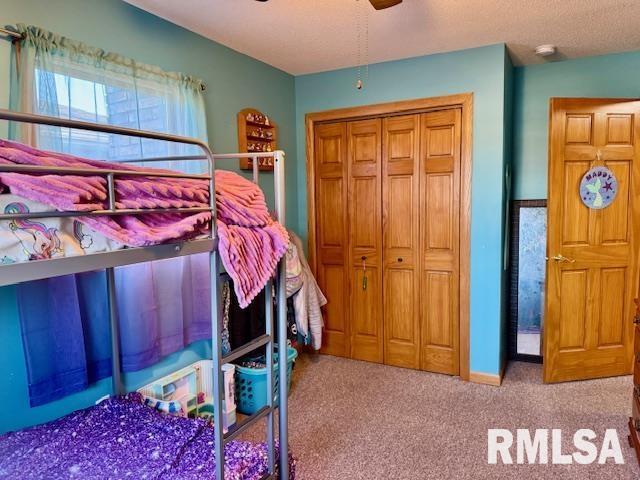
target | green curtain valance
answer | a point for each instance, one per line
(54, 44)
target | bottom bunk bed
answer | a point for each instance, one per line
(123, 438)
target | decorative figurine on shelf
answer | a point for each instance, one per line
(257, 133)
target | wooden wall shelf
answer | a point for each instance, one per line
(256, 133)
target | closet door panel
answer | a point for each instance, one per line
(439, 223)
(400, 182)
(331, 281)
(366, 322)
(332, 233)
(365, 240)
(330, 226)
(440, 238)
(400, 193)
(438, 291)
(439, 330)
(364, 208)
(401, 325)
(401, 285)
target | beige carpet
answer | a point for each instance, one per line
(358, 420)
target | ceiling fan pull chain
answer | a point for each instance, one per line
(366, 43)
(359, 47)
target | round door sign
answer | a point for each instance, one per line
(598, 188)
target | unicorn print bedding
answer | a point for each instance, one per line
(26, 240)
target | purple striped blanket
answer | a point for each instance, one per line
(250, 242)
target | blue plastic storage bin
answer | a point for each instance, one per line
(251, 384)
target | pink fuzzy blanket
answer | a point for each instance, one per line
(250, 242)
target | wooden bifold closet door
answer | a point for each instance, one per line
(333, 234)
(401, 173)
(365, 238)
(440, 241)
(387, 229)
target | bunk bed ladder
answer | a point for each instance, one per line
(267, 340)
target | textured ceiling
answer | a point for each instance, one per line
(304, 36)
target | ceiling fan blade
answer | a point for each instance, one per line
(382, 4)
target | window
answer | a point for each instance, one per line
(65, 89)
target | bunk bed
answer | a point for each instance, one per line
(182, 445)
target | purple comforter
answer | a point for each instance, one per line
(122, 438)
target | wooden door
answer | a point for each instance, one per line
(400, 187)
(365, 239)
(592, 269)
(332, 233)
(440, 240)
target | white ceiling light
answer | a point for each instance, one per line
(545, 50)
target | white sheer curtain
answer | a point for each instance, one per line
(62, 78)
(163, 305)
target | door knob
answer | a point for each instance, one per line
(399, 259)
(562, 258)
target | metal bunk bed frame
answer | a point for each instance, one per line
(40, 269)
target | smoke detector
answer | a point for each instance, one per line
(545, 50)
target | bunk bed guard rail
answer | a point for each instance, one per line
(39, 269)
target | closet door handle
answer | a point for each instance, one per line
(400, 259)
(363, 258)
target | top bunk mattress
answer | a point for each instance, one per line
(55, 237)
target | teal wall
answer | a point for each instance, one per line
(481, 71)
(615, 75)
(234, 81)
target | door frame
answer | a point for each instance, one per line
(464, 101)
